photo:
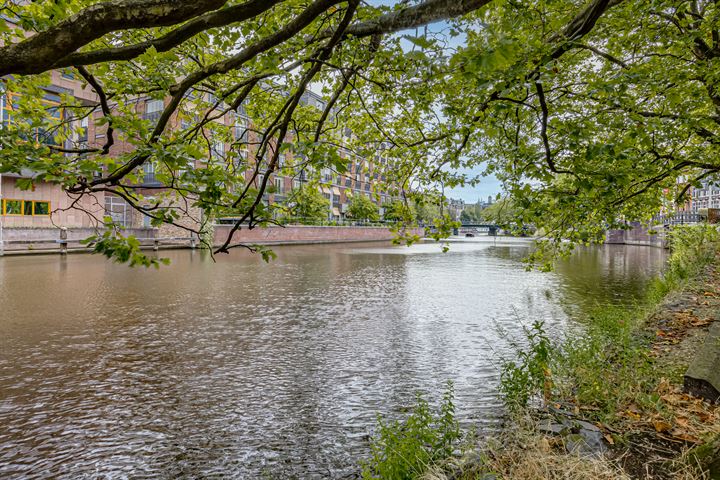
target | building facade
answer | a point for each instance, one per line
(46, 205)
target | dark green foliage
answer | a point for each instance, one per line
(529, 373)
(363, 209)
(404, 449)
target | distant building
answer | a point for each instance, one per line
(706, 197)
(455, 208)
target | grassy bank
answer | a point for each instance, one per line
(604, 402)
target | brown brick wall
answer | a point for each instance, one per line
(306, 234)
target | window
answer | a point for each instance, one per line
(153, 109)
(41, 208)
(117, 209)
(9, 102)
(5, 109)
(217, 149)
(83, 133)
(279, 185)
(149, 172)
(25, 207)
(48, 136)
(12, 207)
(68, 74)
(241, 129)
(153, 106)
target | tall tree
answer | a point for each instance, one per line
(363, 209)
(307, 204)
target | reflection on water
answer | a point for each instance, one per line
(239, 369)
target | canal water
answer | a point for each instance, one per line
(238, 369)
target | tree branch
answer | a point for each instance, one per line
(39, 52)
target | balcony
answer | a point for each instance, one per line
(152, 116)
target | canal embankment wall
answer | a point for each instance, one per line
(20, 241)
(637, 235)
(306, 234)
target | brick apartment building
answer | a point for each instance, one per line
(47, 206)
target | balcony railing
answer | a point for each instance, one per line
(152, 116)
(679, 218)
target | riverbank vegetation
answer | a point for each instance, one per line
(604, 401)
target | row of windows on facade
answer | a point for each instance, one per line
(9, 104)
(29, 208)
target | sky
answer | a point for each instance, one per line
(488, 185)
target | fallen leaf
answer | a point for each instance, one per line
(682, 421)
(672, 399)
(609, 439)
(684, 436)
(664, 386)
(705, 417)
(544, 445)
(633, 415)
(661, 426)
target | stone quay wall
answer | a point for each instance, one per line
(306, 234)
(48, 240)
(637, 235)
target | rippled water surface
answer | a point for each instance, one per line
(238, 369)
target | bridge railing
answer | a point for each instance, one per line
(679, 218)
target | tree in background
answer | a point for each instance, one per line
(363, 208)
(502, 212)
(399, 211)
(307, 204)
(472, 213)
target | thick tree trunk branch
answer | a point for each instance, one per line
(58, 46)
(41, 51)
(425, 13)
(215, 19)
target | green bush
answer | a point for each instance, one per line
(403, 450)
(608, 364)
(529, 374)
(693, 247)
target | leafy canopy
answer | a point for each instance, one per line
(589, 112)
